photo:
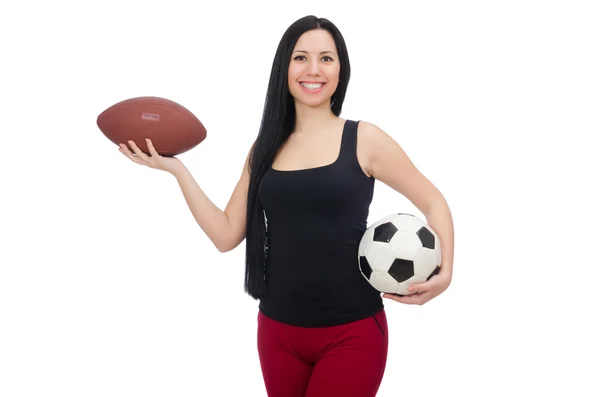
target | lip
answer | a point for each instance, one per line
(312, 82)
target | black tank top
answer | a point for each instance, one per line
(315, 220)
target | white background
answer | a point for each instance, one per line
(109, 288)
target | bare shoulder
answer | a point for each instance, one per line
(369, 131)
(385, 160)
(371, 141)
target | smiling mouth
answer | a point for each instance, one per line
(312, 86)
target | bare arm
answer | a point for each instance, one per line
(226, 229)
(387, 162)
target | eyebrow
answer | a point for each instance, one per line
(322, 52)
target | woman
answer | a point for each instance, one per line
(301, 204)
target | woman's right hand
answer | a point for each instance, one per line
(155, 160)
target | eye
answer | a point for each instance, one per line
(303, 58)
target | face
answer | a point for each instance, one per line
(314, 69)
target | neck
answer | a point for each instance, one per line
(313, 118)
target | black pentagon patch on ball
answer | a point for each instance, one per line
(384, 233)
(365, 268)
(402, 269)
(434, 272)
(427, 238)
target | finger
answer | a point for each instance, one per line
(401, 299)
(125, 150)
(139, 152)
(151, 148)
(415, 299)
(418, 287)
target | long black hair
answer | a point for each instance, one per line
(279, 117)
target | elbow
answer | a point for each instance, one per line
(229, 242)
(437, 202)
(223, 248)
(226, 246)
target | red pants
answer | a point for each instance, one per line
(344, 360)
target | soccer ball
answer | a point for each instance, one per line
(397, 251)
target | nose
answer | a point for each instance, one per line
(313, 67)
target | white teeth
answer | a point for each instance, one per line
(312, 86)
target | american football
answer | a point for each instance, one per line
(172, 128)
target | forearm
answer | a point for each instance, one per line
(211, 219)
(439, 218)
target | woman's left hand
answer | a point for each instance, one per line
(423, 292)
